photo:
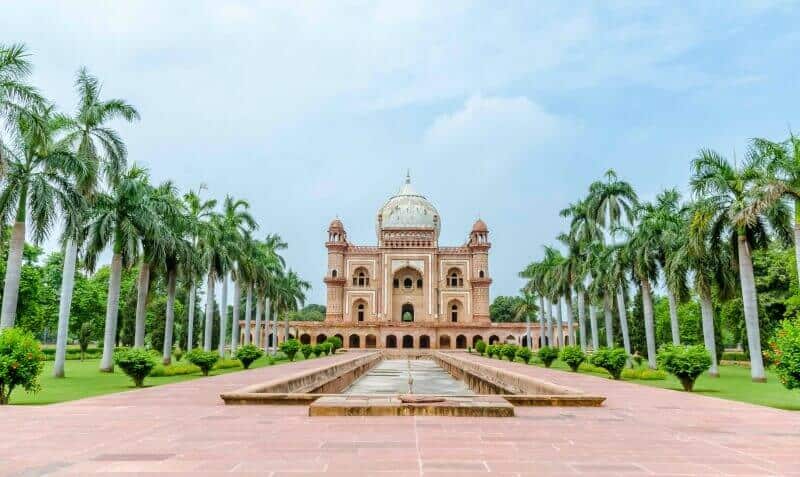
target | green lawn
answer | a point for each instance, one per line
(734, 383)
(84, 380)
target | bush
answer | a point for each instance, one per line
(247, 354)
(524, 353)
(611, 359)
(173, 370)
(290, 348)
(205, 360)
(490, 350)
(573, 356)
(685, 362)
(306, 350)
(645, 374)
(509, 351)
(480, 347)
(21, 362)
(637, 358)
(734, 356)
(785, 351)
(177, 352)
(547, 355)
(335, 342)
(328, 348)
(319, 350)
(85, 337)
(136, 363)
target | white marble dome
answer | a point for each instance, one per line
(408, 209)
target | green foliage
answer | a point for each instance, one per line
(311, 312)
(573, 356)
(734, 356)
(290, 348)
(247, 354)
(335, 341)
(306, 350)
(188, 368)
(480, 347)
(136, 363)
(685, 362)
(503, 309)
(785, 351)
(319, 350)
(85, 337)
(492, 350)
(21, 362)
(204, 360)
(508, 351)
(645, 374)
(524, 353)
(611, 359)
(547, 355)
(328, 347)
(177, 352)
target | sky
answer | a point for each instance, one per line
(501, 110)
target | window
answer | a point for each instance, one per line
(454, 279)
(360, 312)
(396, 283)
(361, 278)
(408, 283)
(333, 273)
(480, 274)
(419, 283)
(454, 313)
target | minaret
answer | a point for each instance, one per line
(479, 248)
(335, 279)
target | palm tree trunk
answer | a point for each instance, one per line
(750, 300)
(623, 320)
(112, 308)
(169, 324)
(649, 328)
(673, 317)
(237, 298)
(209, 325)
(13, 273)
(609, 321)
(267, 318)
(797, 235)
(259, 314)
(142, 284)
(275, 331)
(582, 318)
(190, 317)
(223, 315)
(64, 305)
(528, 330)
(544, 329)
(593, 323)
(709, 340)
(248, 312)
(559, 332)
(570, 328)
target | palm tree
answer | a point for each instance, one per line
(274, 244)
(290, 292)
(99, 148)
(120, 217)
(730, 211)
(200, 212)
(39, 183)
(16, 96)
(526, 307)
(779, 180)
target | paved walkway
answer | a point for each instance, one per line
(185, 428)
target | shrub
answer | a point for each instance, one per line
(611, 359)
(290, 348)
(328, 348)
(247, 354)
(685, 362)
(490, 350)
(319, 350)
(645, 374)
(136, 363)
(785, 351)
(306, 350)
(227, 364)
(547, 355)
(84, 337)
(734, 356)
(509, 351)
(573, 356)
(480, 347)
(335, 341)
(21, 362)
(173, 370)
(524, 353)
(637, 358)
(177, 352)
(205, 360)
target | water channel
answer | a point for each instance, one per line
(403, 376)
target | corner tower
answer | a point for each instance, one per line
(479, 246)
(335, 277)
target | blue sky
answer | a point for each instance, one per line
(505, 110)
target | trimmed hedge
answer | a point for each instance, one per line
(136, 363)
(685, 362)
(734, 356)
(547, 355)
(612, 360)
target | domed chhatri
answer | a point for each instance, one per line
(480, 226)
(408, 209)
(336, 225)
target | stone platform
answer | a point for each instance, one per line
(374, 405)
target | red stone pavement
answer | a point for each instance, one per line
(184, 428)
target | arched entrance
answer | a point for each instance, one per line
(391, 341)
(475, 340)
(354, 341)
(408, 341)
(370, 341)
(321, 338)
(424, 342)
(407, 312)
(305, 338)
(493, 339)
(444, 342)
(461, 342)
(341, 338)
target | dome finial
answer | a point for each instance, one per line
(408, 176)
